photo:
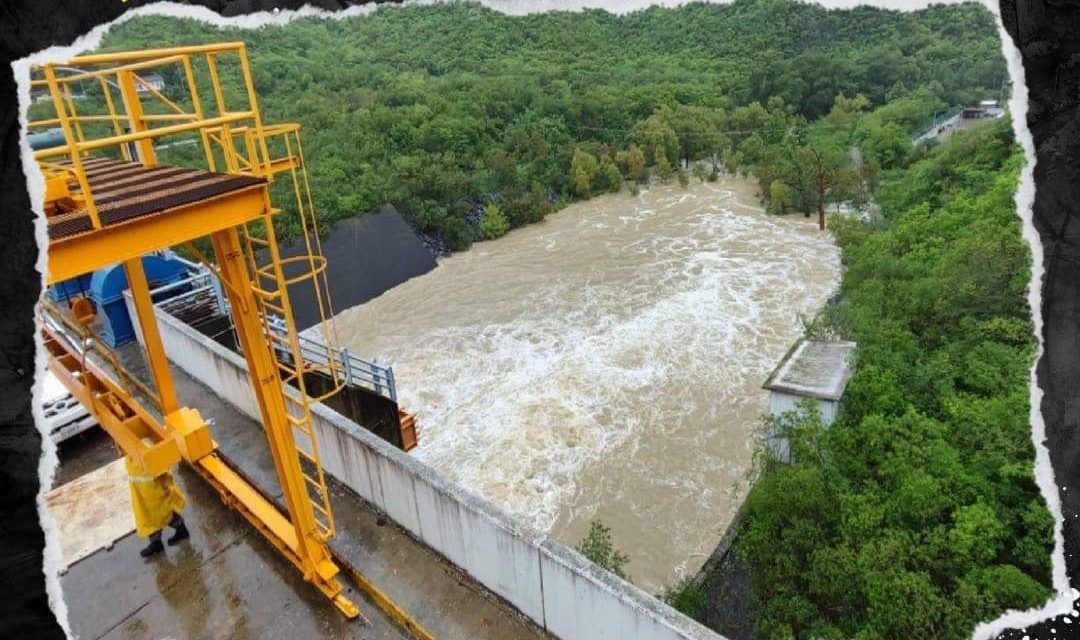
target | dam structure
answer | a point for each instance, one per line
(527, 571)
(305, 520)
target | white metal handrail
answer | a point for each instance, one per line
(357, 371)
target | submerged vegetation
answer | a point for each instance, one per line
(598, 546)
(916, 514)
(686, 596)
(441, 110)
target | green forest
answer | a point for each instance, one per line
(457, 113)
(916, 514)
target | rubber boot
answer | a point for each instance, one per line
(181, 534)
(155, 547)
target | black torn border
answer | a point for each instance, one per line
(1046, 32)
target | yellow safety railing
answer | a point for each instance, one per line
(110, 103)
(107, 103)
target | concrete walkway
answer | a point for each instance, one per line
(229, 582)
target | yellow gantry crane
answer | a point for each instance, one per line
(108, 201)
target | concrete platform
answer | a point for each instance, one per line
(229, 582)
(91, 512)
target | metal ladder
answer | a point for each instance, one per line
(269, 286)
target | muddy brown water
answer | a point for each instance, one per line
(606, 363)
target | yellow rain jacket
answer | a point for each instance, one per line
(154, 500)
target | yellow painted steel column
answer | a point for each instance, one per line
(126, 79)
(155, 351)
(318, 567)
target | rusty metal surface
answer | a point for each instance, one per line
(126, 190)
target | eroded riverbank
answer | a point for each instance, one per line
(606, 363)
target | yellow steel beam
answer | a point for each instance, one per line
(52, 122)
(118, 129)
(155, 351)
(168, 117)
(125, 56)
(101, 73)
(124, 419)
(74, 256)
(66, 90)
(392, 609)
(193, 89)
(157, 132)
(253, 104)
(239, 494)
(311, 550)
(225, 140)
(69, 138)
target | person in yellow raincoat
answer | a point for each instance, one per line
(157, 503)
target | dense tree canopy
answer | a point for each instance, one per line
(443, 109)
(916, 514)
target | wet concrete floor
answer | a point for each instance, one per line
(229, 582)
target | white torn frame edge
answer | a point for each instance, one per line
(1062, 603)
(1044, 473)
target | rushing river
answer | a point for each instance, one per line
(606, 363)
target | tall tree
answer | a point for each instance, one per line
(827, 167)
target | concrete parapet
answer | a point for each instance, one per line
(582, 600)
(556, 587)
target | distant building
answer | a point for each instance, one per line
(961, 119)
(153, 79)
(818, 370)
(985, 109)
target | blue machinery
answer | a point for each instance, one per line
(105, 288)
(174, 280)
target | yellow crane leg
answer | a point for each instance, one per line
(184, 434)
(310, 553)
(155, 351)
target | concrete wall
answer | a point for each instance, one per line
(780, 403)
(553, 585)
(371, 254)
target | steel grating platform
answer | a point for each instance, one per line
(125, 191)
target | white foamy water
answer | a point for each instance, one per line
(606, 363)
